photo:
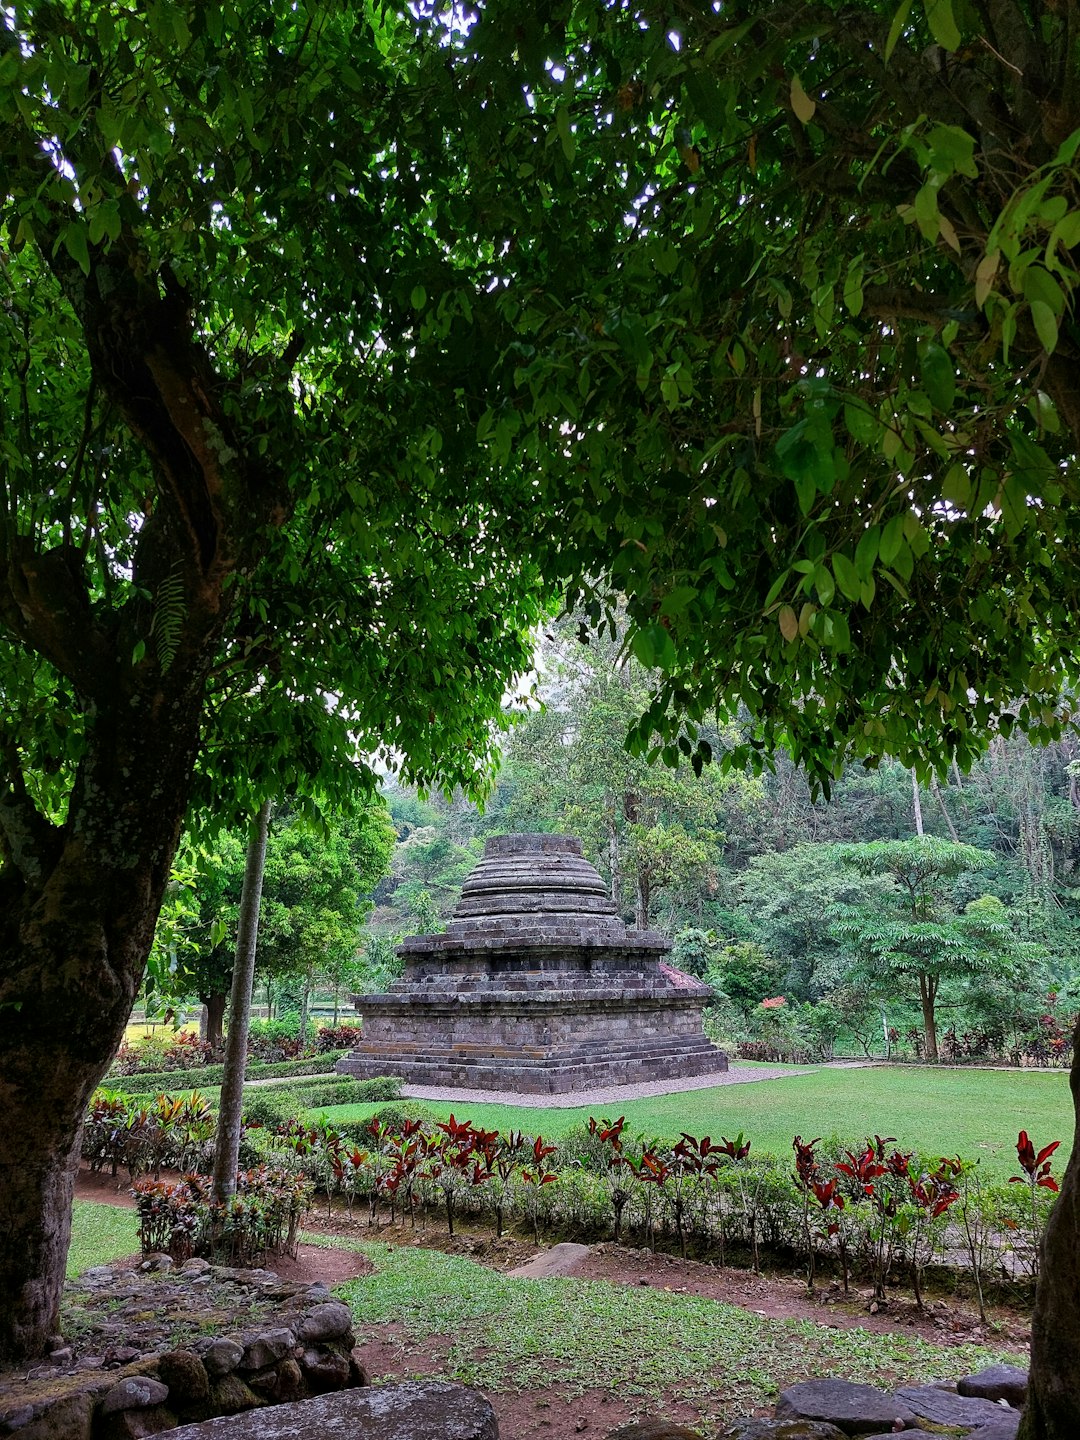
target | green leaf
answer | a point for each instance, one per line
(418, 298)
(866, 552)
(942, 23)
(1046, 326)
(853, 287)
(938, 377)
(1039, 284)
(824, 585)
(566, 133)
(896, 29)
(138, 651)
(847, 577)
(74, 238)
(892, 537)
(956, 487)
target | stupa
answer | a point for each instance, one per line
(536, 986)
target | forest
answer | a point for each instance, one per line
(768, 890)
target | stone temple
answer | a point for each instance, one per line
(536, 986)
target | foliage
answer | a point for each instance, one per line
(917, 939)
(337, 1037)
(829, 365)
(261, 1218)
(212, 1074)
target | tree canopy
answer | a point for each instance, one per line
(825, 364)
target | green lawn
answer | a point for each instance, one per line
(976, 1113)
(563, 1336)
(100, 1233)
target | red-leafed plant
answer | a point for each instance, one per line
(871, 1170)
(1036, 1167)
(933, 1192)
(534, 1181)
(619, 1177)
(806, 1176)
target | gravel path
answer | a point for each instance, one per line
(612, 1094)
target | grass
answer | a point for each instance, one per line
(976, 1113)
(573, 1335)
(100, 1233)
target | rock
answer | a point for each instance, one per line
(222, 1356)
(324, 1370)
(1004, 1429)
(854, 1409)
(318, 1291)
(229, 1395)
(996, 1382)
(63, 1356)
(157, 1263)
(331, 1321)
(195, 1266)
(280, 1382)
(416, 1410)
(941, 1407)
(653, 1430)
(137, 1392)
(266, 1348)
(135, 1424)
(68, 1419)
(782, 1430)
(185, 1375)
(559, 1260)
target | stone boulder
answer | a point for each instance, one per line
(945, 1408)
(854, 1409)
(996, 1382)
(416, 1410)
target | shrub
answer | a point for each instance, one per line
(273, 1104)
(318, 1065)
(391, 1118)
(263, 1217)
(337, 1037)
(275, 1039)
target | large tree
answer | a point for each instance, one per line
(908, 945)
(241, 514)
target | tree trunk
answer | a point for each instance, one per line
(305, 1000)
(76, 924)
(230, 1109)
(916, 804)
(1053, 1405)
(215, 1016)
(927, 992)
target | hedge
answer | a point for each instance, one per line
(201, 1076)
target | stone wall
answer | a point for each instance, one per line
(292, 1341)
